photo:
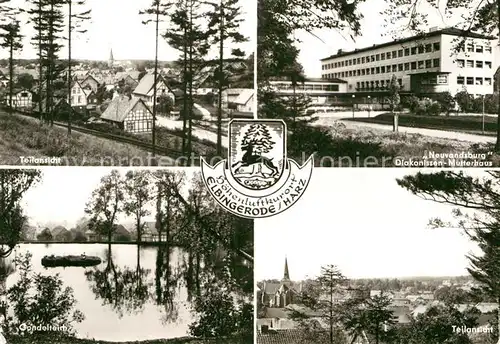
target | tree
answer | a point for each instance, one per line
(10, 36)
(165, 104)
(157, 9)
(477, 215)
(259, 137)
(464, 100)
(394, 99)
(75, 21)
(80, 237)
(105, 204)
(38, 301)
(224, 24)
(26, 81)
(138, 195)
(478, 17)
(45, 235)
(14, 183)
(321, 298)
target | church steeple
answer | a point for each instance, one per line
(111, 59)
(286, 274)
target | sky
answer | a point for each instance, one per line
(373, 31)
(61, 196)
(116, 25)
(361, 221)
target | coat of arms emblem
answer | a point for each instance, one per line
(257, 180)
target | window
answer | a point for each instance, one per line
(470, 81)
(388, 55)
(487, 49)
(428, 48)
(407, 52)
(400, 82)
(79, 99)
(149, 125)
(487, 64)
(470, 63)
(442, 79)
(479, 48)
(394, 68)
(428, 63)
(74, 90)
(363, 59)
(400, 67)
(354, 61)
(460, 63)
(435, 63)
(407, 66)
(460, 80)
(382, 69)
(130, 126)
(470, 48)
(372, 70)
(377, 70)
(421, 49)
(363, 72)
(487, 81)
(382, 57)
(421, 64)
(400, 53)
(479, 81)
(358, 60)
(479, 64)
(414, 50)
(394, 54)
(24, 94)
(436, 46)
(377, 57)
(367, 71)
(372, 58)
(413, 65)
(358, 85)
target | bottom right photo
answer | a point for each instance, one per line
(383, 256)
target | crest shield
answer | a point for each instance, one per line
(257, 152)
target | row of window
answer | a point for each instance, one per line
(376, 84)
(421, 49)
(469, 80)
(401, 67)
(139, 126)
(306, 87)
(472, 64)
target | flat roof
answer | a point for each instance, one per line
(446, 31)
(323, 80)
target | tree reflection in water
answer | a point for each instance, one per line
(124, 289)
(166, 284)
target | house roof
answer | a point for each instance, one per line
(244, 96)
(150, 227)
(58, 230)
(146, 84)
(120, 107)
(299, 336)
(446, 31)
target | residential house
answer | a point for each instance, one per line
(130, 114)
(120, 233)
(22, 99)
(318, 335)
(28, 233)
(145, 89)
(80, 94)
(245, 101)
(4, 80)
(60, 233)
(90, 81)
(230, 95)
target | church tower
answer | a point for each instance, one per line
(111, 59)
(286, 274)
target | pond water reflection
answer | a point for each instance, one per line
(136, 293)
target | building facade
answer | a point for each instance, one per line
(444, 60)
(318, 90)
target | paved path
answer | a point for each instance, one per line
(202, 134)
(204, 112)
(452, 135)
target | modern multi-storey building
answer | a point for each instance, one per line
(442, 60)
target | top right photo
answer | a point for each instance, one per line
(382, 83)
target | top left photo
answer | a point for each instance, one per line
(123, 83)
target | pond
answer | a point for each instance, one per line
(134, 294)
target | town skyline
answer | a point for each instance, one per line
(124, 34)
(374, 31)
(375, 245)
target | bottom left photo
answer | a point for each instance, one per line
(102, 255)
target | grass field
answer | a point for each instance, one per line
(354, 146)
(471, 124)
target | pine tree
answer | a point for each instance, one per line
(10, 37)
(75, 21)
(224, 24)
(259, 137)
(157, 9)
